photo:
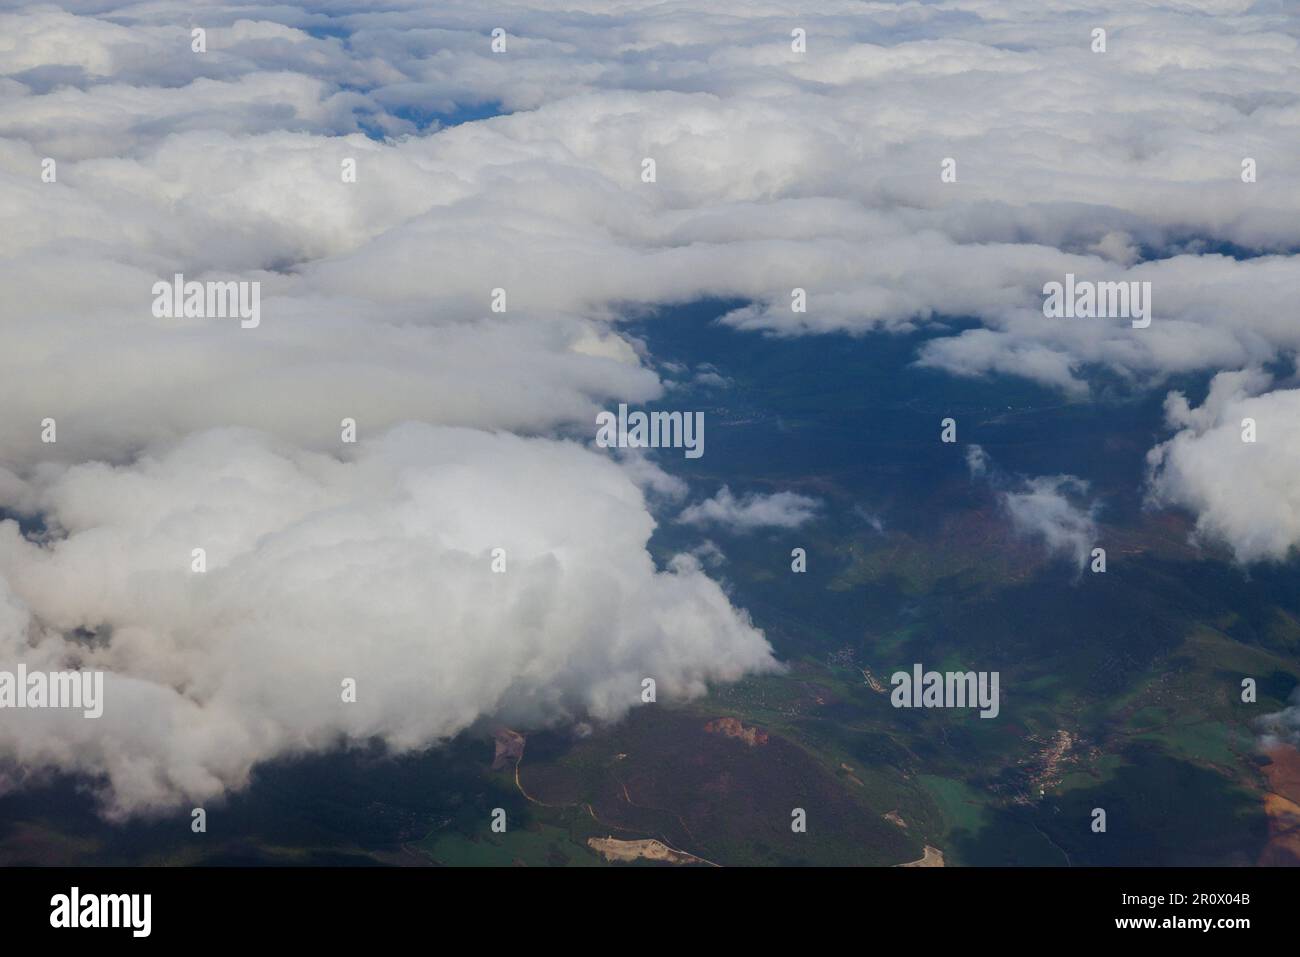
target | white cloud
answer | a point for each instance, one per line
(377, 568)
(753, 511)
(1281, 727)
(1051, 508)
(775, 170)
(1242, 493)
(1045, 508)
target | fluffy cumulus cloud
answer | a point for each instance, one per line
(749, 512)
(521, 171)
(380, 567)
(1233, 462)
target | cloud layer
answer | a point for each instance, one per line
(775, 170)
